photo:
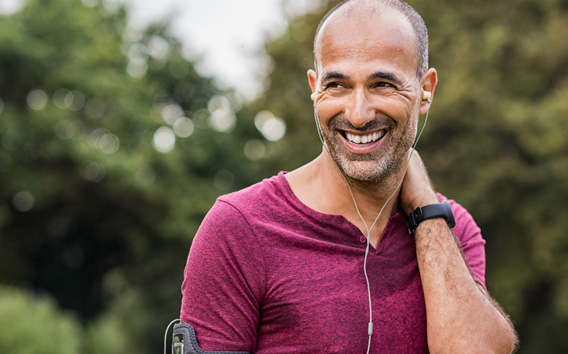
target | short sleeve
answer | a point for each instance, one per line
(224, 282)
(471, 240)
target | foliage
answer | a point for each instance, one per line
(108, 162)
(501, 114)
(112, 149)
(34, 325)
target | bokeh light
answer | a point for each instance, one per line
(110, 7)
(218, 102)
(164, 140)
(23, 201)
(137, 68)
(108, 144)
(37, 99)
(60, 98)
(66, 129)
(93, 172)
(95, 108)
(170, 112)
(8, 7)
(271, 127)
(254, 150)
(183, 127)
(158, 47)
(222, 118)
(201, 118)
(90, 3)
(65, 99)
(77, 100)
(235, 101)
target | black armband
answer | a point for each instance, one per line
(185, 342)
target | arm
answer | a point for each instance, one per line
(223, 282)
(461, 317)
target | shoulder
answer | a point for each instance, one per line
(230, 232)
(237, 210)
(257, 198)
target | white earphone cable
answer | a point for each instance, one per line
(166, 333)
(320, 133)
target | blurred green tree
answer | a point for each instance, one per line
(34, 325)
(496, 144)
(112, 149)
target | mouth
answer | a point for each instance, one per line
(361, 140)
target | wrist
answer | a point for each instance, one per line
(427, 199)
(431, 211)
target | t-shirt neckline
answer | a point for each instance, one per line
(291, 197)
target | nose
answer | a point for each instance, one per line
(359, 110)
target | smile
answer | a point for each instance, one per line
(364, 139)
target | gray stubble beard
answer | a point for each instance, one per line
(347, 161)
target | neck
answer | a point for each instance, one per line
(321, 186)
(370, 197)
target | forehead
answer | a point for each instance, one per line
(361, 36)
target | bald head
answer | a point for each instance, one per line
(372, 11)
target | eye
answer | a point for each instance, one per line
(384, 84)
(334, 85)
(383, 87)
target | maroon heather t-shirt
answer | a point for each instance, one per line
(267, 274)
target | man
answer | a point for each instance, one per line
(283, 267)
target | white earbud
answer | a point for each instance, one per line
(427, 96)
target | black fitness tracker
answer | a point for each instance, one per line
(437, 210)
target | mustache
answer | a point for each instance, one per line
(340, 123)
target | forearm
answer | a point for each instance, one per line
(461, 318)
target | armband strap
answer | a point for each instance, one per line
(185, 341)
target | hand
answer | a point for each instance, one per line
(416, 190)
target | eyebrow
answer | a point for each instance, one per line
(332, 75)
(384, 75)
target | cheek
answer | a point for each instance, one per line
(396, 103)
(391, 106)
(328, 108)
(400, 111)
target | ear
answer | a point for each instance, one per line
(428, 84)
(312, 80)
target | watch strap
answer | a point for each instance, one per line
(431, 211)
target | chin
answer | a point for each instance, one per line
(367, 171)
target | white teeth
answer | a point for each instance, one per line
(364, 139)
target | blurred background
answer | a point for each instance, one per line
(119, 127)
